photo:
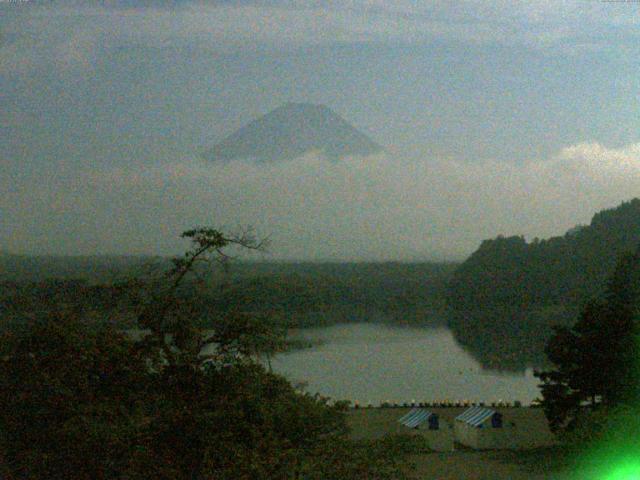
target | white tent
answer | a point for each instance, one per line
(483, 428)
(417, 417)
(438, 434)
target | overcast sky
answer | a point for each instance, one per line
(500, 117)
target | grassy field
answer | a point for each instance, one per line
(543, 462)
(538, 464)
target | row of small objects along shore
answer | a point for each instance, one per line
(443, 404)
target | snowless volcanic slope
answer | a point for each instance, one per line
(291, 131)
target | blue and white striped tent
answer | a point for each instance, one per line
(476, 416)
(415, 417)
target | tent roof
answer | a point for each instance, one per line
(415, 417)
(475, 416)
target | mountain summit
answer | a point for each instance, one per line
(292, 130)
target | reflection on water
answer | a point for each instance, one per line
(508, 337)
(375, 363)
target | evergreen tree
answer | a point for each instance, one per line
(597, 360)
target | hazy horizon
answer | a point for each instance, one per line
(505, 118)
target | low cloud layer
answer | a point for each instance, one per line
(383, 207)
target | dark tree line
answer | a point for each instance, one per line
(307, 294)
(508, 271)
(519, 290)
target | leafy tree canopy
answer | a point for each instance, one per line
(82, 400)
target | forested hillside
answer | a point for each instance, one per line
(315, 294)
(506, 297)
(508, 271)
(301, 294)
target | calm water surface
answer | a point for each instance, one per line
(375, 363)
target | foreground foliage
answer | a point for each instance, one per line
(598, 359)
(81, 400)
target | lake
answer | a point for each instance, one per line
(368, 362)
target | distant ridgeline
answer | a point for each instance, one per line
(570, 269)
(92, 268)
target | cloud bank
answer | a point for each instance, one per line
(382, 207)
(101, 100)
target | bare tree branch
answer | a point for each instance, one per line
(159, 314)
